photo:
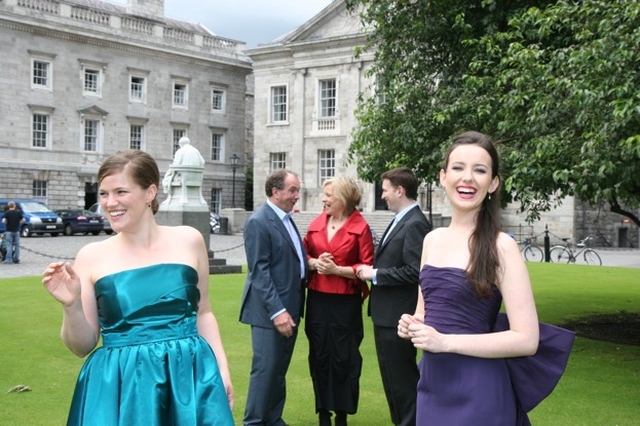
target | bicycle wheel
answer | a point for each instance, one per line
(533, 254)
(559, 254)
(592, 257)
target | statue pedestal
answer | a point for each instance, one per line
(183, 186)
(196, 217)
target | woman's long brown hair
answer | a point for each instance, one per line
(484, 261)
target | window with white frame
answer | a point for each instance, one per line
(177, 135)
(218, 99)
(41, 73)
(138, 88)
(39, 189)
(92, 81)
(279, 107)
(91, 135)
(136, 136)
(277, 160)
(216, 200)
(327, 98)
(180, 95)
(40, 130)
(217, 145)
(326, 165)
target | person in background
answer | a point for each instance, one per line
(145, 290)
(337, 242)
(394, 278)
(12, 221)
(273, 296)
(468, 269)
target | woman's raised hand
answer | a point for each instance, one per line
(62, 283)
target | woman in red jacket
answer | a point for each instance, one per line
(337, 242)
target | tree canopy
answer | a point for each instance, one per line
(555, 83)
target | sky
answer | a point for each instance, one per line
(251, 21)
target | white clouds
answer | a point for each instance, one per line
(251, 21)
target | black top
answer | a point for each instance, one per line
(12, 220)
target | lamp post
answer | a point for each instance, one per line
(430, 201)
(234, 165)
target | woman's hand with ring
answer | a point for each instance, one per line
(403, 325)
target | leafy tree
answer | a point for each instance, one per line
(556, 83)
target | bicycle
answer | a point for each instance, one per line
(531, 253)
(566, 254)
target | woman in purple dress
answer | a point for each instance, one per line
(468, 269)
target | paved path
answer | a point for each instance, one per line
(38, 251)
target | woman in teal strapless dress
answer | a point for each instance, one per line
(145, 291)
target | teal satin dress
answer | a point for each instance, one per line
(153, 368)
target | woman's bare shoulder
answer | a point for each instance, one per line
(96, 248)
(182, 231)
(507, 242)
(435, 234)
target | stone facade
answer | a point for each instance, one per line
(313, 70)
(83, 79)
(317, 56)
(323, 49)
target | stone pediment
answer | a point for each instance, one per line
(93, 110)
(334, 21)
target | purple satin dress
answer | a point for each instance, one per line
(463, 390)
(457, 389)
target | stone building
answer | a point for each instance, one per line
(306, 87)
(82, 79)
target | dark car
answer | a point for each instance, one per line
(81, 221)
(97, 208)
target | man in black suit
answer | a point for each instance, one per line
(273, 297)
(394, 291)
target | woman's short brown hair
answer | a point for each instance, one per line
(139, 164)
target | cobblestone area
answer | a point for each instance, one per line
(38, 251)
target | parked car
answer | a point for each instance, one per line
(81, 221)
(39, 218)
(97, 208)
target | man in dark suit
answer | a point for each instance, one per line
(394, 291)
(273, 297)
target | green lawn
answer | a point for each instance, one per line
(600, 387)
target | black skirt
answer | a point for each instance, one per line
(333, 325)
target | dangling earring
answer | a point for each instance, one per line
(489, 197)
(149, 205)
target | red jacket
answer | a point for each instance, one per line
(352, 245)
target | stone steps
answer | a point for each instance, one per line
(378, 221)
(219, 266)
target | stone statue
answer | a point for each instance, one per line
(183, 181)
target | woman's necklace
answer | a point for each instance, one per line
(334, 224)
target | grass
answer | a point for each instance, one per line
(600, 387)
